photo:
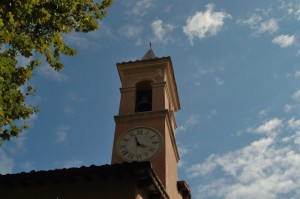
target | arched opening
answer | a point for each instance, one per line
(143, 101)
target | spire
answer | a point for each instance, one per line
(149, 54)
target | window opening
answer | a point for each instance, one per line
(143, 96)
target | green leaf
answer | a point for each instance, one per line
(1, 23)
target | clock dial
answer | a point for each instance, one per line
(139, 144)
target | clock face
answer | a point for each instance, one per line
(139, 144)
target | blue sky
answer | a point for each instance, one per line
(237, 69)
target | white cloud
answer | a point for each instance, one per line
(18, 145)
(297, 138)
(284, 40)
(103, 31)
(73, 163)
(296, 95)
(130, 30)
(270, 126)
(161, 30)
(297, 74)
(76, 98)
(6, 163)
(180, 163)
(294, 124)
(139, 8)
(219, 81)
(263, 113)
(189, 122)
(50, 73)
(202, 71)
(78, 39)
(260, 26)
(290, 107)
(252, 21)
(27, 166)
(168, 8)
(182, 150)
(291, 7)
(33, 117)
(90, 40)
(61, 133)
(204, 24)
(294, 107)
(138, 42)
(68, 110)
(211, 114)
(263, 169)
(212, 71)
(270, 26)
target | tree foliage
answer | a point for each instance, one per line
(28, 28)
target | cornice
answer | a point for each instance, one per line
(141, 115)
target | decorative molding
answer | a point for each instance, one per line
(127, 89)
(158, 75)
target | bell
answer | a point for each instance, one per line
(143, 104)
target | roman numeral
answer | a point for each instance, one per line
(124, 152)
(138, 156)
(130, 156)
(139, 131)
(132, 134)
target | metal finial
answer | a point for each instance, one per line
(149, 54)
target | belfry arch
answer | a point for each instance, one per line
(143, 99)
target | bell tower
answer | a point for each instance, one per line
(145, 125)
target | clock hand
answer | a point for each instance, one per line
(138, 144)
(137, 141)
(142, 145)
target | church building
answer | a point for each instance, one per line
(144, 155)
